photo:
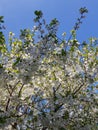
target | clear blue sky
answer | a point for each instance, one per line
(19, 14)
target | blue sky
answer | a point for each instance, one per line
(19, 14)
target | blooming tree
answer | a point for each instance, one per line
(48, 83)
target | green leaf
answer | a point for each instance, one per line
(17, 61)
(1, 19)
(72, 49)
(2, 120)
(1, 66)
(62, 128)
(83, 10)
(53, 22)
(66, 115)
(38, 13)
(63, 52)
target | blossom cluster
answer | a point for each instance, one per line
(48, 84)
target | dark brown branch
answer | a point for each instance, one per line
(11, 94)
(8, 101)
(77, 90)
(19, 94)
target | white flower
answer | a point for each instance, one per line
(11, 34)
(35, 28)
(58, 50)
(64, 34)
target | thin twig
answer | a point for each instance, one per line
(77, 90)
